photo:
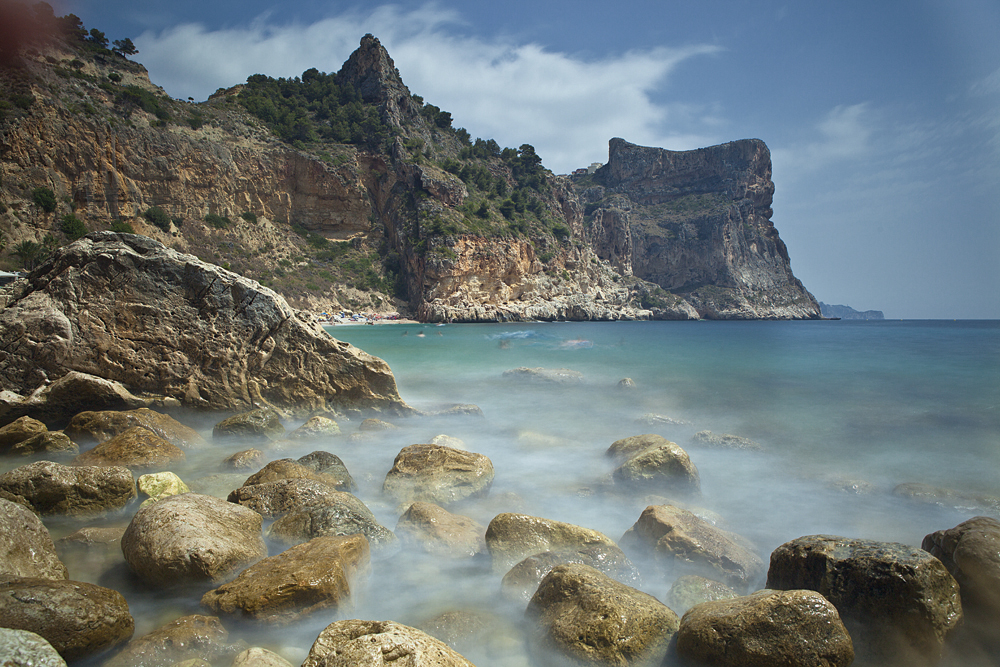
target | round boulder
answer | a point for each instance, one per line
(315, 428)
(587, 616)
(260, 425)
(330, 465)
(439, 475)
(342, 514)
(79, 620)
(354, 642)
(664, 468)
(289, 469)
(191, 538)
(22, 648)
(898, 603)
(316, 576)
(441, 533)
(193, 637)
(521, 582)
(51, 488)
(788, 628)
(19, 430)
(247, 459)
(275, 499)
(624, 449)
(372, 425)
(136, 448)
(512, 537)
(159, 485)
(26, 548)
(100, 425)
(971, 552)
(682, 543)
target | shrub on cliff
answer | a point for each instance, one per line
(73, 227)
(45, 198)
(157, 216)
(217, 221)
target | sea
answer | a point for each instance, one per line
(837, 414)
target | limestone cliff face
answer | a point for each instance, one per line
(698, 223)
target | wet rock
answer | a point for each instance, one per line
(192, 538)
(260, 425)
(899, 603)
(136, 448)
(652, 419)
(971, 552)
(247, 459)
(479, 635)
(51, 488)
(309, 578)
(441, 533)
(682, 543)
(522, 580)
(22, 648)
(78, 619)
(52, 444)
(950, 498)
(98, 426)
(448, 441)
(275, 499)
(26, 548)
(343, 514)
(797, 628)
(513, 537)
(691, 590)
(70, 394)
(626, 384)
(353, 642)
(664, 468)
(186, 638)
(19, 430)
(159, 485)
(624, 449)
(439, 475)
(316, 428)
(259, 657)
(590, 618)
(288, 469)
(332, 467)
(373, 425)
(92, 547)
(725, 441)
(544, 375)
(458, 410)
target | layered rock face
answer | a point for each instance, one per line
(698, 223)
(126, 308)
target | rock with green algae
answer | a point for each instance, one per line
(159, 485)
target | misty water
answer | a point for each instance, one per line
(837, 407)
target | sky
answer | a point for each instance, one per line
(882, 118)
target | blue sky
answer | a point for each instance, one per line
(883, 118)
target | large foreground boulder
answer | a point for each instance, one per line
(50, 488)
(191, 538)
(899, 603)
(589, 617)
(79, 619)
(26, 548)
(971, 552)
(128, 309)
(787, 628)
(354, 642)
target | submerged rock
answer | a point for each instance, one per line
(964, 501)
(352, 643)
(437, 474)
(663, 468)
(788, 628)
(546, 375)
(589, 617)
(691, 590)
(441, 533)
(185, 638)
(725, 441)
(51, 488)
(26, 548)
(622, 450)
(521, 582)
(247, 459)
(315, 428)
(343, 514)
(899, 603)
(513, 537)
(259, 425)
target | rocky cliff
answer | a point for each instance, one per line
(414, 217)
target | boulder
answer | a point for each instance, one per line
(691, 590)
(513, 537)
(275, 499)
(681, 543)
(787, 628)
(626, 384)
(51, 488)
(259, 657)
(440, 533)
(136, 448)
(185, 638)
(247, 459)
(343, 514)
(899, 603)
(520, 583)
(98, 426)
(971, 552)
(448, 441)
(330, 465)
(316, 428)
(590, 618)
(18, 430)
(354, 642)
(260, 425)
(664, 468)
(289, 469)
(78, 619)
(725, 441)
(162, 323)
(314, 577)
(371, 425)
(439, 475)
(22, 648)
(544, 375)
(26, 548)
(159, 485)
(52, 444)
(192, 538)
(624, 449)
(71, 393)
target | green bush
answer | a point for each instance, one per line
(249, 217)
(158, 217)
(73, 227)
(115, 76)
(30, 253)
(122, 227)
(45, 198)
(217, 221)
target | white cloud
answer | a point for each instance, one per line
(567, 107)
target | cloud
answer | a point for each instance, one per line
(565, 106)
